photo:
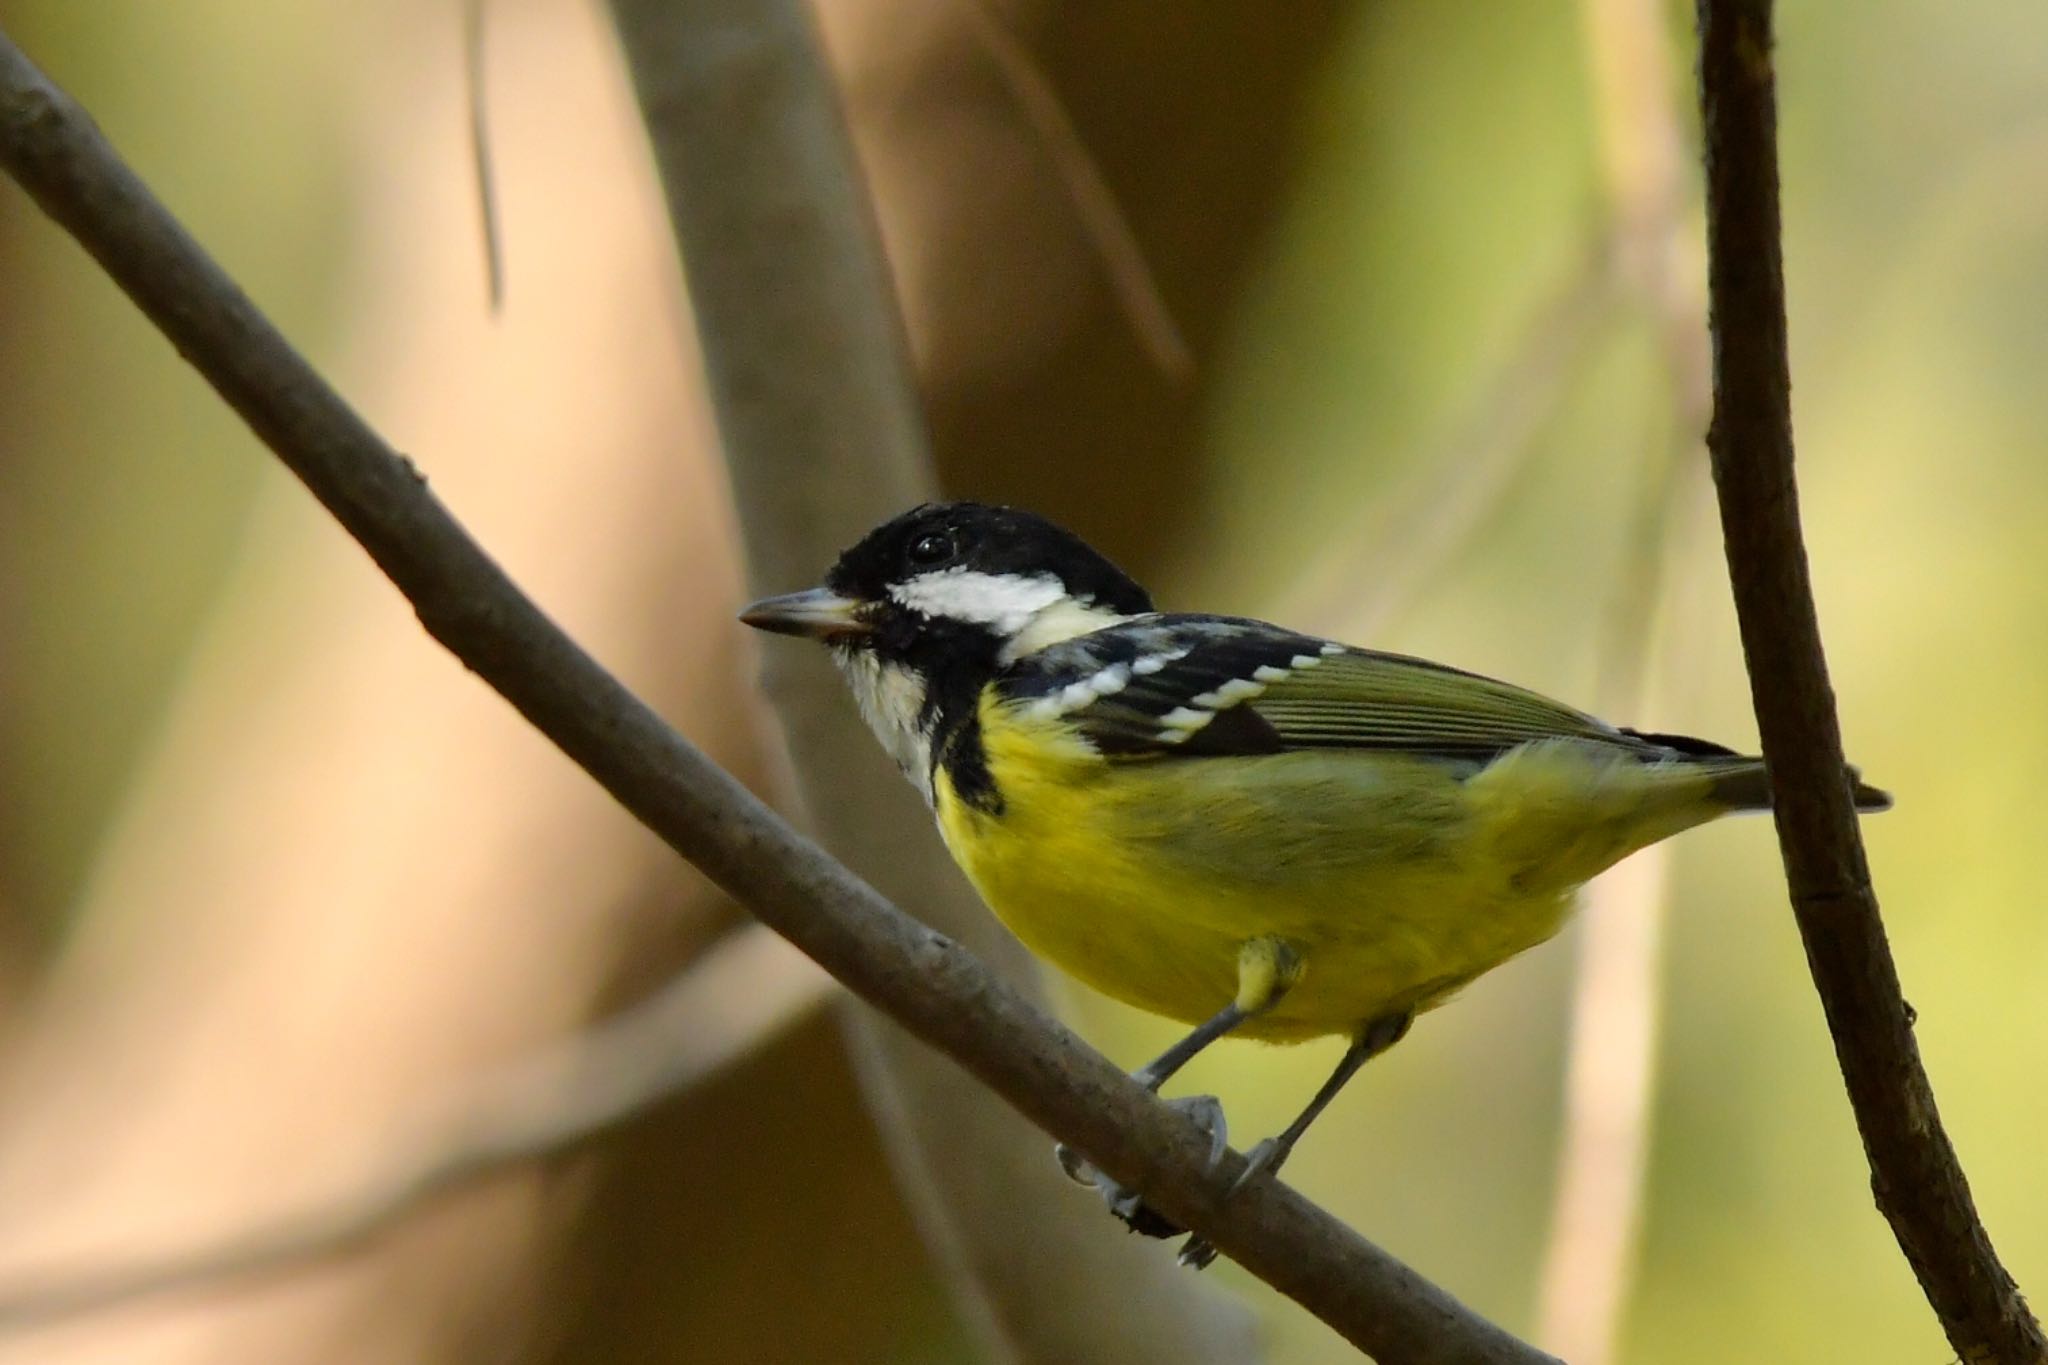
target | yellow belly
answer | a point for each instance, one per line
(1394, 881)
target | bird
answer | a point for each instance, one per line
(1252, 830)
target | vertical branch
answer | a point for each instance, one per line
(824, 438)
(1915, 1176)
(1610, 1067)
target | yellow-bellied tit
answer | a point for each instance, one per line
(1236, 825)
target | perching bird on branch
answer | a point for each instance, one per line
(1251, 830)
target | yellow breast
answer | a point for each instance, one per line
(1394, 880)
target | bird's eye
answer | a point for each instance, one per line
(935, 548)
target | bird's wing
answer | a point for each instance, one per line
(1190, 686)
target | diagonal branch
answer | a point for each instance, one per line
(466, 602)
(1917, 1180)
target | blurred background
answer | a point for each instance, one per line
(272, 867)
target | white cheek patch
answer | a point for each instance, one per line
(1004, 602)
(891, 699)
(1028, 612)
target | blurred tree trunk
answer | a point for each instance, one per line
(346, 876)
(1012, 324)
(1036, 390)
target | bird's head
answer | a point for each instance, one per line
(957, 583)
(929, 606)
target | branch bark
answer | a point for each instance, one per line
(1917, 1180)
(819, 418)
(920, 977)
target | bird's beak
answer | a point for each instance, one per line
(818, 614)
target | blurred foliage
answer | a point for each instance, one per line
(705, 1267)
(1439, 183)
(1450, 179)
(126, 480)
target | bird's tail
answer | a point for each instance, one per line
(1742, 785)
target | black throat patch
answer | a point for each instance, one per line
(964, 757)
(952, 701)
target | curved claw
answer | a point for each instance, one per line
(1207, 1112)
(1126, 1203)
(1264, 1158)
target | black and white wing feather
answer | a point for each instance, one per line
(1191, 686)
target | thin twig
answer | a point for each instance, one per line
(1418, 529)
(1130, 277)
(1917, 1180)
(1610, 1063)
(744, 991)
(480, 149)
(468, 604)
(1610, 1073)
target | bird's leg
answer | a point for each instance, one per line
(1160, 1069)
(1370, 1042)
(1268, 1156)
(1266, 967)
(1205, 1110)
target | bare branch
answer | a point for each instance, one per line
(465, 600)
(1609, 1082)
(1611, 1058)
(1918, 1182)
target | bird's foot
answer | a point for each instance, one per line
(1124, 1202)
(1263, 1159)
